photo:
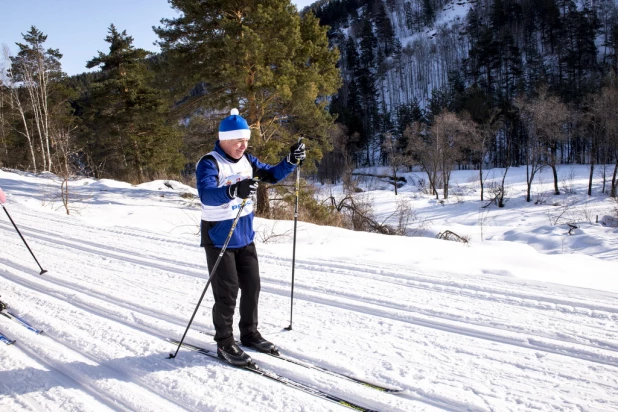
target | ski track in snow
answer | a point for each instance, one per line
(466, 343)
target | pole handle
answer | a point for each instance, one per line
(300, 139)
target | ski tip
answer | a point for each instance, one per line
(275, 352)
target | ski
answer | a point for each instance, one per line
(6, 340)
(345, 376)
(276, 377)
(17, 319)
(350, 378)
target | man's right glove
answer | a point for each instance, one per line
(297, 153)
(243, 189)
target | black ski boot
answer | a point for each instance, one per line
(257, 342)
(233, 355)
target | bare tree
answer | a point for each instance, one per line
(423, 149)
(535, 147)
(592, 123)
(449, 136)
(395, 158)
(65, 151)
(438, 148)
(603, 122)
(478, 140)
(549, 116)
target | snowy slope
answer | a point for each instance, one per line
(494, 325)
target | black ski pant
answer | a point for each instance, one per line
(238, 269)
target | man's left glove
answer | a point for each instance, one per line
(297, 153)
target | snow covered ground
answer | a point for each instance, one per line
(523, 317)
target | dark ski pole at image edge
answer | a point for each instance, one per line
(294, 241)
(2, 200)
(212, 273)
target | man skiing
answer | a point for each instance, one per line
(225, 178)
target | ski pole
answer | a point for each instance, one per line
(2, 200)
(212, 273)
(294, 242)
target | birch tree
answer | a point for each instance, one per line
(34, 69)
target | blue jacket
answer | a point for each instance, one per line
(207, 177)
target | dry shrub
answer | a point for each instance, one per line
(309, 209)
(452, 236)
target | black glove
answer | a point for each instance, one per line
(243, 189)
(297, 153)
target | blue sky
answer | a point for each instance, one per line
(78, 27)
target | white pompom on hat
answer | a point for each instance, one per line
(234, 127)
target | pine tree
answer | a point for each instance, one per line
(261, 57)
(385, 31)
(428, 12)
(129, 136)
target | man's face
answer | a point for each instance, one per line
(234, 148)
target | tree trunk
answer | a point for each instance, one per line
(502, 191)
(262, 207)
(553, 168)
(591, 176)
(614, 181)
(445, 185)
(138, 162)
(395, 178)
(26, 130)
(36, 105)
(528, 182)
(433, 181)
(481, 178)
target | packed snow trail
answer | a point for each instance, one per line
(457, 338)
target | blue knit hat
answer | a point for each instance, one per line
(234, 127)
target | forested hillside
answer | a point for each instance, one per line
(530, 82)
